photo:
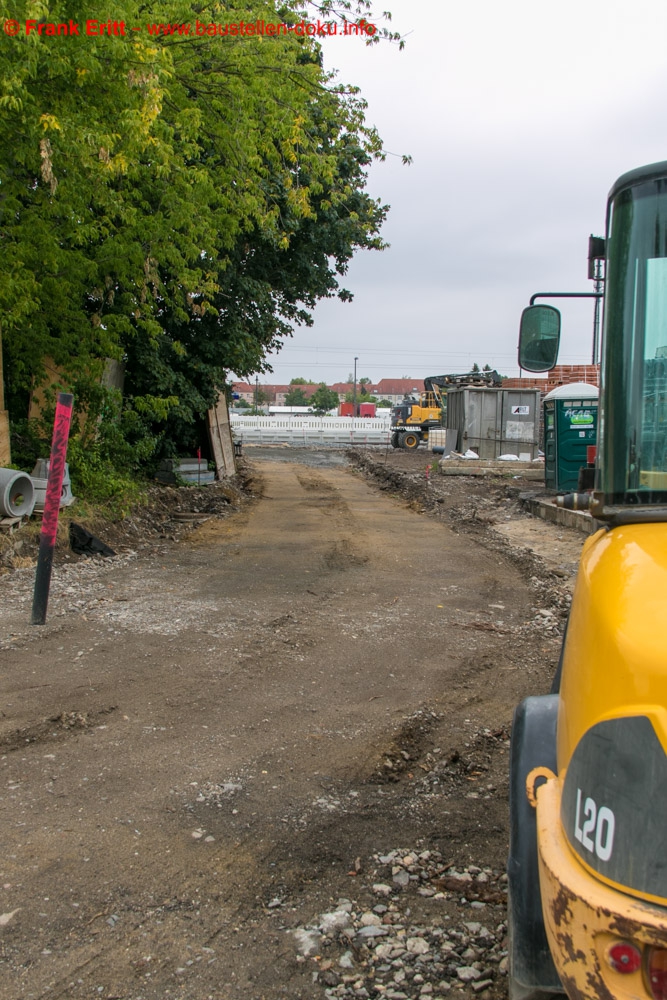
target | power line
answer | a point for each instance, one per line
(289, 354)
(504, 361)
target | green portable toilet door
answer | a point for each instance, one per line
(550, 452)
(576, 429)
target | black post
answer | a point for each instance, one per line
(54, 487)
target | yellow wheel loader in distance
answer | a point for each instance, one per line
(588, 775)
(412, 418)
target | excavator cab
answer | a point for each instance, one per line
(588, 775)
(412, 418)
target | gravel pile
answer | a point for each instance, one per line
(378, 947)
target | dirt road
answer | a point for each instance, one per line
(299, 710)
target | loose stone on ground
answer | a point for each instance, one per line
(364, 948)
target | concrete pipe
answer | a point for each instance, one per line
(17, 494)
(40, 483)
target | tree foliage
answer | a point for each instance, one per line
(323, 399)
(176, 204)
(296, 397)
(361, 396)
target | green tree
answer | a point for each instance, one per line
(299, 381)
(323, 399)
(361, 397)
(267, 286)
(177, 205)
(296, 397)
(384, 404)
(475, 368)
(259, 400)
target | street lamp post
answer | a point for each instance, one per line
(354, 390)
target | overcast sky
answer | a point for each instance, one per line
(519, 116)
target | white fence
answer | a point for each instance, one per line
(301, 431)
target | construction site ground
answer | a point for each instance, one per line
(262, 752)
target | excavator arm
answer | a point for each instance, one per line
(490, 379)
(434, 383)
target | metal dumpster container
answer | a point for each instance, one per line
(495, 422)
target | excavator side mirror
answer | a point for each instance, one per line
(539, 338)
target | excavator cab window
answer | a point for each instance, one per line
(633, 427)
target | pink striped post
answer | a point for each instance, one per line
(54, 488)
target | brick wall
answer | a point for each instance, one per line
(560, 375)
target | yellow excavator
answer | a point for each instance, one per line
(412, 418)
(587, 866)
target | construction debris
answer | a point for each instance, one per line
(189, 470)
(85, 544)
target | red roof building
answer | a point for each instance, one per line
(394, 389)
(272, 393)
(342, 388)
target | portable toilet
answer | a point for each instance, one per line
(570, 426)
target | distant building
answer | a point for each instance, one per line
(277, 393)
(272, 393)
(244, 390)
(342, 388)
(394, 389)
